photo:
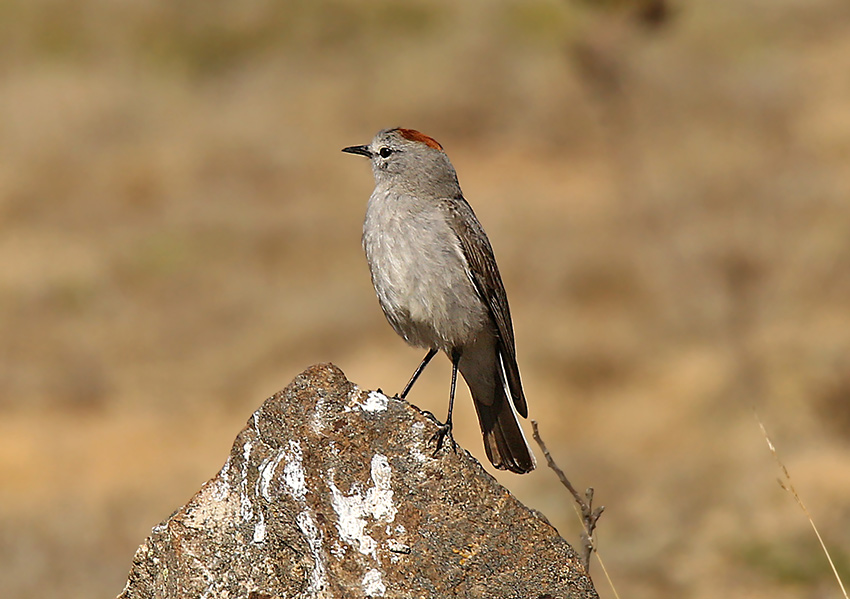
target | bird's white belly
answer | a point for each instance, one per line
(420, 276)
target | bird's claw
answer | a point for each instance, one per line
(443, 431)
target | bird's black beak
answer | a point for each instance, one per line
(362, 150)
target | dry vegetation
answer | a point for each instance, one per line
(179, 237)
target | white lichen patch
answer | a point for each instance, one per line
(374, 401)
(373, 584)
(351, 520)
(379, 499)
(376, 503)
(293, 472)
(246, 508)
(313, 535)
(267, 472)
(260, 529)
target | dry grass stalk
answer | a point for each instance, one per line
(788, 485)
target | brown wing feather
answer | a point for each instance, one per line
(488, 282)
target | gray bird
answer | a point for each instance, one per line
(437, 281)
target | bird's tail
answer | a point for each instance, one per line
(504, 440)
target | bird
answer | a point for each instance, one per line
(436, 278)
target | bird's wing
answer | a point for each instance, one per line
(484, 274)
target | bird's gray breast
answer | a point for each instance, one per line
(420, 273)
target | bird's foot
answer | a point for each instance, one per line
(443, 431)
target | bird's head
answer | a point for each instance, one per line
(409, 161)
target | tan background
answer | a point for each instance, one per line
(179, 237)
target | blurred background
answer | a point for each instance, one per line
(667, 189)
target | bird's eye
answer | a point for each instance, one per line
(385, 152)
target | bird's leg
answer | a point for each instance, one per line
(446, 429)
(431, 353)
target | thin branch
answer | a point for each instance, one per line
(588, 515)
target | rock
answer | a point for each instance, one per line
(332, 491)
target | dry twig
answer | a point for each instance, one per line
(589, 516)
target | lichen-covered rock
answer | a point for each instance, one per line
(332, 491)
